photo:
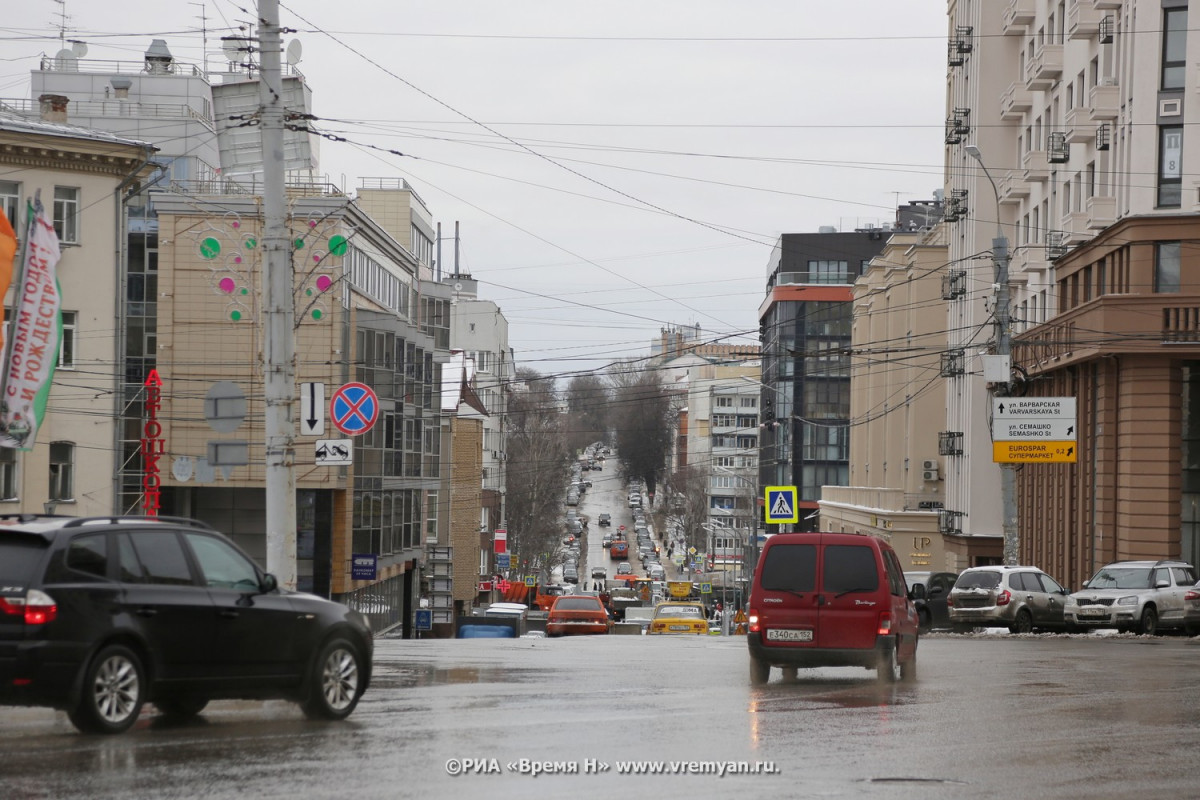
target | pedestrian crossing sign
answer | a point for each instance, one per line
(781, 505)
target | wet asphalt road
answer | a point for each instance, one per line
(989, 716)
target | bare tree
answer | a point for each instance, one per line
(688, 496)
(588, 408)
(538, 470)
(642, 416)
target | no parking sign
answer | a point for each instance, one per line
(354, 408)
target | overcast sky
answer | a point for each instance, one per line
(616, 167)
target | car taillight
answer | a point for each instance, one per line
(885, 623)
(752, 619)
(1192, 594)
(36, 607)
(950, 600)
(1003, 598)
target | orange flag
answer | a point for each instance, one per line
(8, 255)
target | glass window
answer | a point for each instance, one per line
(1166, 267)
(1174, 48)
(8, 473)
(66, 351)
(10, 200)
(89, 554)
(790, 568)
(1170, 166)
(62, 471)
(160, 559)
(850, 568)
(221, 565)
(66, 214)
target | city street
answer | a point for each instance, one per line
(989, 716)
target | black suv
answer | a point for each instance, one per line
(100, 615)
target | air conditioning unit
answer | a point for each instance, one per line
(930, 463)
(929, 475)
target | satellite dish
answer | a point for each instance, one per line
(66, 61)
(294, 51)
(231, 46)
(80, 49)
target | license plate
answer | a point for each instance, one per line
(679, 627)
(784, 635)
(1096, 613)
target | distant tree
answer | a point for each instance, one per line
(588, 408)
(538, 470)
(687, 495)
(642, 414)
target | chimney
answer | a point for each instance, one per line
(159, 60)
(121, 87)
(53, 107)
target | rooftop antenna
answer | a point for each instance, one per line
(897, 204)
(203, 36)
(63, 20)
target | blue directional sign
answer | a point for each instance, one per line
(503, 561)
(363, 566)
(354, 408)
(781, 505)
(424, 619)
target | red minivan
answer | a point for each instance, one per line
(830, 600)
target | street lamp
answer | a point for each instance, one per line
(1008, 475)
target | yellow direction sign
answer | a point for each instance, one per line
(1034, 452)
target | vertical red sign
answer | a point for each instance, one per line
(501, 540)
(152, 446)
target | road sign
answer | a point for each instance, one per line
(424, 619)
(781, 505)
(1034, 452)
(334, 452)
(363, 566)
(1033, 419)
(312, 409)
(706, 588)
(503, 561)
(500, 540)
(531, 581)
(354, 408)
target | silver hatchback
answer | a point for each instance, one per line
(1022, 599)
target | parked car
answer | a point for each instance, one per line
(929, 591)
(1022, 599)
(673, 617)
(830, 600)
(607, 540)
(1191, 610)
(570, 573)
(604, 520)
(99, 616)
(1141, 596)
(577, 614)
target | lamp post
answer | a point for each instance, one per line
(1008, 475)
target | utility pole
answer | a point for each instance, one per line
(279, 346)
(1008, 473)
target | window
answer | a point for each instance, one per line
(1174, 48)
(828, 272)
(10, 200)
(222, 566)
(8, 473)
(62, 471)
(1170, 165)
(724, 420)
(157, 558)
(1166, 267)
(66, 214)
(89, 554)
(724, 402)
(749, 402)
(66, 352)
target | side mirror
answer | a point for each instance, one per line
(1162, 583)
(1084, 585)
(269, 583)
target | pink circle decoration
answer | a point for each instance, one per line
(237, 224)
(324, 282)
(237, 259)
(316, 257)
(312, 223)
(227, 285)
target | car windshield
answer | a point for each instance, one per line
(986, 579)
(20, 557)
(1121, 578)
(680, 612)
(577, 604)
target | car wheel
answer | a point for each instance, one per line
(181, 707)
(760, 671)
(1149, 624)
(114, 689)
(888, 668)
(1023, 623)
(1191, 629)
(924, 621)
(335, 683)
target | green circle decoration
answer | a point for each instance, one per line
(298, 244)
(316, 314)
(251, 243)
(338, 245)
(308, 292)
(210, 247)
(236, 316)
(245, 290)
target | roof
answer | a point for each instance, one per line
(21, 124)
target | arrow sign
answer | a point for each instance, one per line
(312, 409)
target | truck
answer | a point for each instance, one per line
(619, 550)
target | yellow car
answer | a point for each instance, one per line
(679, 618)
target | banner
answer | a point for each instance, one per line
(35, 335)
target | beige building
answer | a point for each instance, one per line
(897, 402)
(82, 176)
(1079, 109)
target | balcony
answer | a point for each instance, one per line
(950, 443)
(1015, 102)
(1083, 20)
(1036, 165)
(1045, 68)
(958, 125)
(1056, 245)
(1057, 149)
(1101, 212)
(954, 362)
(954, 284)
(1074, 229)
(1028, 258)
(1079, 125)
(1103, 136)
(955, 207)
(1106, 4)
(1018, 16)
(1105, 100)
(1013, 188)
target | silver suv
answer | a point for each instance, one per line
(1140, 596)
(1022, 599)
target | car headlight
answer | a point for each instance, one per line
(1131, 600)
(1071, 601)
